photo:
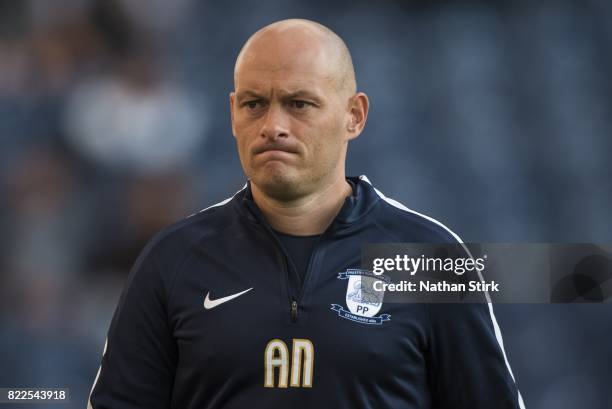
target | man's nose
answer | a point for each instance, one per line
(276, 123)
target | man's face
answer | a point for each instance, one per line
(288, 117)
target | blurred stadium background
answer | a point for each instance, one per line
(493, 117)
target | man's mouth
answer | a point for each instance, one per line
(276, 150)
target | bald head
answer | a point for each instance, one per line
(288, 42)
(294, 110)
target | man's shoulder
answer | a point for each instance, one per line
(409, 225)
(182, 235)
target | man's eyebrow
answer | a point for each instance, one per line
(244, 94)
(302, 93)
(288, 95)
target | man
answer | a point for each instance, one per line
(238, 306)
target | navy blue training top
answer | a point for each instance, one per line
(213, 317)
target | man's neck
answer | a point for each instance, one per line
(307, 215)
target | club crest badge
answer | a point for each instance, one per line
(362, 300)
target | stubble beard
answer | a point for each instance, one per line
(291, 182)
(281, 183)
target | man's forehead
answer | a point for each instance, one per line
(307, 61)
(284, 80)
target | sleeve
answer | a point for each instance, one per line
(469, 366)
(140, 354)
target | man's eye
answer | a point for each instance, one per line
(300, 104)
(251, 104)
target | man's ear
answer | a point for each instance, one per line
(232, 97)
(359, 105)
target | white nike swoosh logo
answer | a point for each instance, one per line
(208, 303)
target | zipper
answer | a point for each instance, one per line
(294, 303)
(294, 311)
(288, 270)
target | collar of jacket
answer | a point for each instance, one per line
(355, 207)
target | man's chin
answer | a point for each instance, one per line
(279, 185)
